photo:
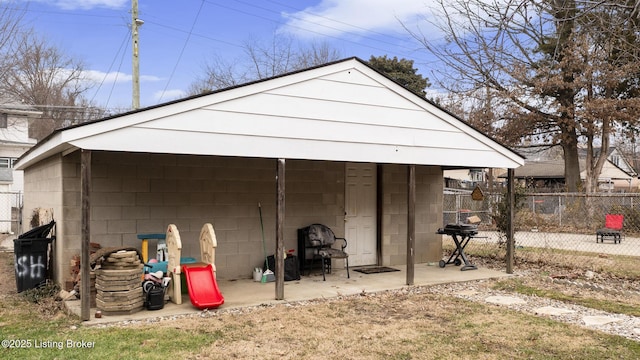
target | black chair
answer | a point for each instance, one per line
(321, 239)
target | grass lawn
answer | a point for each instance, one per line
(409, 324)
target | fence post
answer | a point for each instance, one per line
(533, 204)
(510, 226)
(560, 209)
(458, 205)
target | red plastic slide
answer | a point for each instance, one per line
(203, 288)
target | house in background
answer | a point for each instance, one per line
(549, 176)
(618, 174)
(14, 141)
(464, 178)
(543, 170)
(541, 175)
(468, 179)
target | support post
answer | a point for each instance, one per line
(279, 258)
(85, 196)
(411, 223)
(510, 231)
(379, 212)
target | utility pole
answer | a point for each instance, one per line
(135, 61)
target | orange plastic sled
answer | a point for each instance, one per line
(203, 288)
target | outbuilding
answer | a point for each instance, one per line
(339, 144)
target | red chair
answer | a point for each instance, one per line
(612, 229)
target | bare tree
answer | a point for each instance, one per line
(218, 74)
(10, 28)
(556, 71)
(316, 54)
(42, 76)
(262, 60)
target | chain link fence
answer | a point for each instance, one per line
(10, 212)
(553, 229)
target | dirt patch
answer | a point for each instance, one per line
(401, 324)
(7, 275)
(6, 242)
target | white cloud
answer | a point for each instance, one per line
(86, 4)
(116, 77)
(107, 78)
(150, 78)
(168, 95)
(336, 17)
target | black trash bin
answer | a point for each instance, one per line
(31, 257)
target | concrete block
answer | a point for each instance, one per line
(135, 212)
(106, 185)
(163, 185)
(136, 185)
(121, 226)
(148, 199)
(163, 212)
(106, 212)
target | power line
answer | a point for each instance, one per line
(358, 34)
(30, 10)
(306, 29)
(118, 72)
(262, 11)
(406, 52)
(147, 22)
(195, 20)
(124, 43)
(364, 30)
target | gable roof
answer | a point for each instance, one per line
(546, 169)
(341, 111)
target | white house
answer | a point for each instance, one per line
(14, 141)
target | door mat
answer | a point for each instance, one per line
(375, 270)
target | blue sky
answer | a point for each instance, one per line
(178, 36)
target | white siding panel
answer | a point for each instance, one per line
(352, 76)
(199, 143)
(292, 128)
(307, 108)
(344, 111)
(346, 92)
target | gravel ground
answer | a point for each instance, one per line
(480, 291)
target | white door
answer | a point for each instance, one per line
(360, 213)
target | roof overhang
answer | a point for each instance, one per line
(344, 111)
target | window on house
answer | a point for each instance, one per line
(615, 159)
(7, 162)
(476, 175)
(3, 120)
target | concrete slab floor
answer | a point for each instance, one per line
(246, 292)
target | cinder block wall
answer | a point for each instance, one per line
(43, 189)
(429, 213)
(429, 190)
(144, 193)
(314, 194)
